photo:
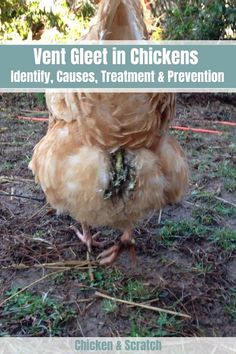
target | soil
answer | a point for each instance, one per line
(31, 233)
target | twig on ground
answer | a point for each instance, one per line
(34, 111)
(225, 201)
(5, 179)
(89, 305)
(5, 194)
(79, 301)
(157, 309)
(91, 275)
(37, 212)
(12, 193)
(159, 217)
(147, 221)
(56, 265)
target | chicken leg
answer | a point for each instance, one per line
(87, 238)
(127, 241)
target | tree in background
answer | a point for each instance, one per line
(44, 19)
(195, 19)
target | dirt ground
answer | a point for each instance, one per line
(186, 263)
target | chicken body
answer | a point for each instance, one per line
(73, 162)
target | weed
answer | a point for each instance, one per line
(223, 210)
(230, 185)
(105, 279)
(137, 330)
(60, 278)
(182, 136)
(225, 238)
(165, 325)
(16, 142)
(231, 306)
(202, 196)
(210, 214)
(7, 166)
(173, 232)
(109, 306)
(41, 98)
(202, 268)
(29, 314)
(27, 159)
(136, 290)
(39, 234)
(204, 216)
(227, 170)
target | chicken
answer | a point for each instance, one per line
(107, 158)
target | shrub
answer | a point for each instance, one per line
(53, 19)
(195, 19)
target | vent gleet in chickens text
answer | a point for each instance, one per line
(121, 66)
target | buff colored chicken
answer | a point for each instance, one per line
(107, 158)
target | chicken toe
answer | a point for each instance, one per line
(87, 238)
(109, 256)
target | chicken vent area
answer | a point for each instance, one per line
(122, 175)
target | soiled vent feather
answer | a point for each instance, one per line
(122, 175)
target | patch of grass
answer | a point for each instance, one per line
(138, 330)
(7, 166)
(109, 306)
(181, 136)
(167, 326)
(227, 170)
(41, 98)
(27, 159)
(136, 291)
(224, 210)
(230, 185)
(174, 232)
(204, 166)
(231, 306)
(60, 278)
(202, 268)
(16, 142)
(225, 238)
(204, 215)
(209, 209)
(28, 314)
(210, 214)
(39, 234)
(203, 196)
(106, 279)
(163, 326)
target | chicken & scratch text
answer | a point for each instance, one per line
(100, 345)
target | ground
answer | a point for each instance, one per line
(186, 263)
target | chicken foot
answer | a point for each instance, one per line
(87, 238)
(127, 241)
